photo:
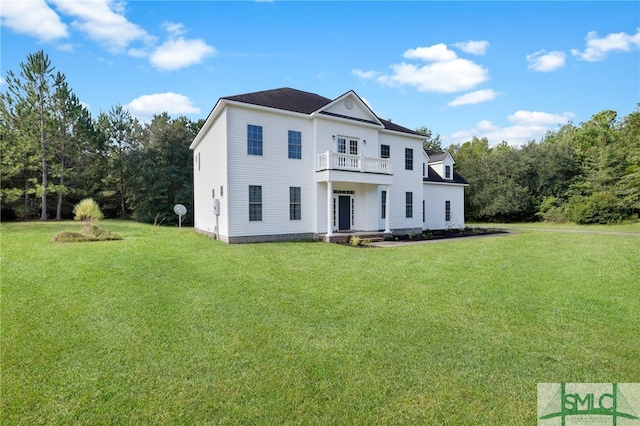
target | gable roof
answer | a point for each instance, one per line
(294, 100)
(436, 156)
(432, 176)
(286, 98)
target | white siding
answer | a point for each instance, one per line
(435, 196)
(404, 180)
(212, 152)
(356, 111)
(273, 170)
(224, 161)
(327, 128)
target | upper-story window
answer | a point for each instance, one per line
(408, 159)
(254, 140)
(385, 151)
(447, 172)
(295, 144)
(353, 147)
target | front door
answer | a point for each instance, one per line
(344, 213)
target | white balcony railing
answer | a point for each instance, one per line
(355, 163)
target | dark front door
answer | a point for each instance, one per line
(344, 212)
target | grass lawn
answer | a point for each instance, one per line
(171, 327)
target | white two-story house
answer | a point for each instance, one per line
(284, 164)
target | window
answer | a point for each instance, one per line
(447, 172)
(254, 140)
(424, 169)
(423, 211)
(409, 204)
(408, 159)
(342, 146)
(335, 209)
(385, 151)
(295, 204)
(447, 211)
(255, 203)
(353, 211)
(222, 190)
(213, 193)
(353, 147)
(384, 204)
(295, 144)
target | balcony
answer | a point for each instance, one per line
(353, 163)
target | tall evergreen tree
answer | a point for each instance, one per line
(26, 113)
(163, 170)
(118, 128)
(69, 121)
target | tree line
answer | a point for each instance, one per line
(54, 153)
(588, 173)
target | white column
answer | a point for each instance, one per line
(387, 210)
(329, 208)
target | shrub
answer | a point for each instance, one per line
(601, 207)
(552, 210)
(88, 211)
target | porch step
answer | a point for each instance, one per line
(343, 238)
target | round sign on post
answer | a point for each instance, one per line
(180, 210)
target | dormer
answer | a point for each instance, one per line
(441, 163)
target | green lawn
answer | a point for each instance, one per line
(171, 327)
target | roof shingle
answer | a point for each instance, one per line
(289, 99)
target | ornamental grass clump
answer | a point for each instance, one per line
(89, 212)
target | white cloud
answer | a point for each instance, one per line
(436, 53)
(33, 18)
(144, 107)
(475, 47)
(525, 126)
(442, 77)
(365, 74)
(544, 61)
(104, 22)
(180, 53)
(445, 73)
(175, 29)
(597, 48)
(476, 97)
(538, 118)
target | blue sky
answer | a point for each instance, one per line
(502, 70)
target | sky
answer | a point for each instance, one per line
(508, 71)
